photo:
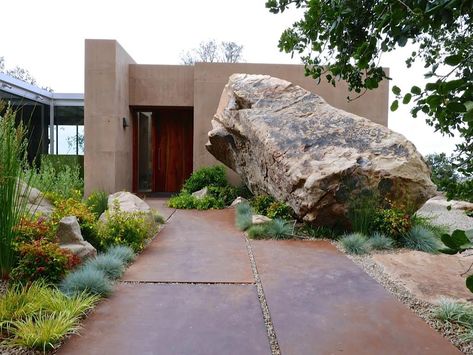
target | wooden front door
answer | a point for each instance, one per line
(173, 141)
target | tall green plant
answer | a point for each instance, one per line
(13, 149)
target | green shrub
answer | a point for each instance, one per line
(393, 222)
(112, 266)
(86, 280)
(379, 241)
(13, 152)
(42, 259)
(87, 220)
(258, 231)
(208, 202)
(182, 201)
(362, 208)
(225, 195)
(209, 176)
(422, 239)
(243, 191)
(279, 229)
(448, 179)
(243, 216)
(126, 228)
(262, 203)
(280, 210)
(355, 243)
(97, 203)
(64, 181)
(122, 252)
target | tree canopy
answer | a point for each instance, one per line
(213, 52)
(344, 40)
(20, 74)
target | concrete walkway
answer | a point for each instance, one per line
(201, 288)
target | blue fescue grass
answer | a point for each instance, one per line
(355, 243)
(122, 252)
(244, 216)
(422, 239)
(379, 241)
(111, 265)
(87, 279)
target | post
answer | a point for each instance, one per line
(51, 128)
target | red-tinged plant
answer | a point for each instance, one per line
(29, 230)
(43, 259)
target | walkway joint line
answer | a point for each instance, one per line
(187, 282)
(273, 341)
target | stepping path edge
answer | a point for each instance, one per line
(322, 303)
(148, 319)
(195, 247)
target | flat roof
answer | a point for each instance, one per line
(32, 92)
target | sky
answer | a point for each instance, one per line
(47, 38)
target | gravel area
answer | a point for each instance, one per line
(3, 287)
(423, 309)
(273, 341)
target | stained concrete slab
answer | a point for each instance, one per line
(322, 303)
(195, 246)
(148, 319)
(428, 277)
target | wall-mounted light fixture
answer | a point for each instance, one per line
(125, 123)
(6, 86)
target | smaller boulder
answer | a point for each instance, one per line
(201, 193)
(70, 238)
(237, 201)
(260, 219)
(68, 230)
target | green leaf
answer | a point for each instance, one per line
(469, 283)
(454, 84)
(402, 41)
(456, 107)
(448, 251)
(416, 90)
(396, 90)
(453, 60)
(407, 98)
(456, 240)
(394, 105)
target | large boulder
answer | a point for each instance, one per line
(288, 142)
(70, 238)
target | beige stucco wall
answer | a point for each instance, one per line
(114, 83)
(108, 146)
(161, 85)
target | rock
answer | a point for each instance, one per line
(128, 202)
(260, 219)
(36, 202)
(289, 143)
(201, 193)
(70, 238)
(436, 209)
(428, 276)
(237, 201)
